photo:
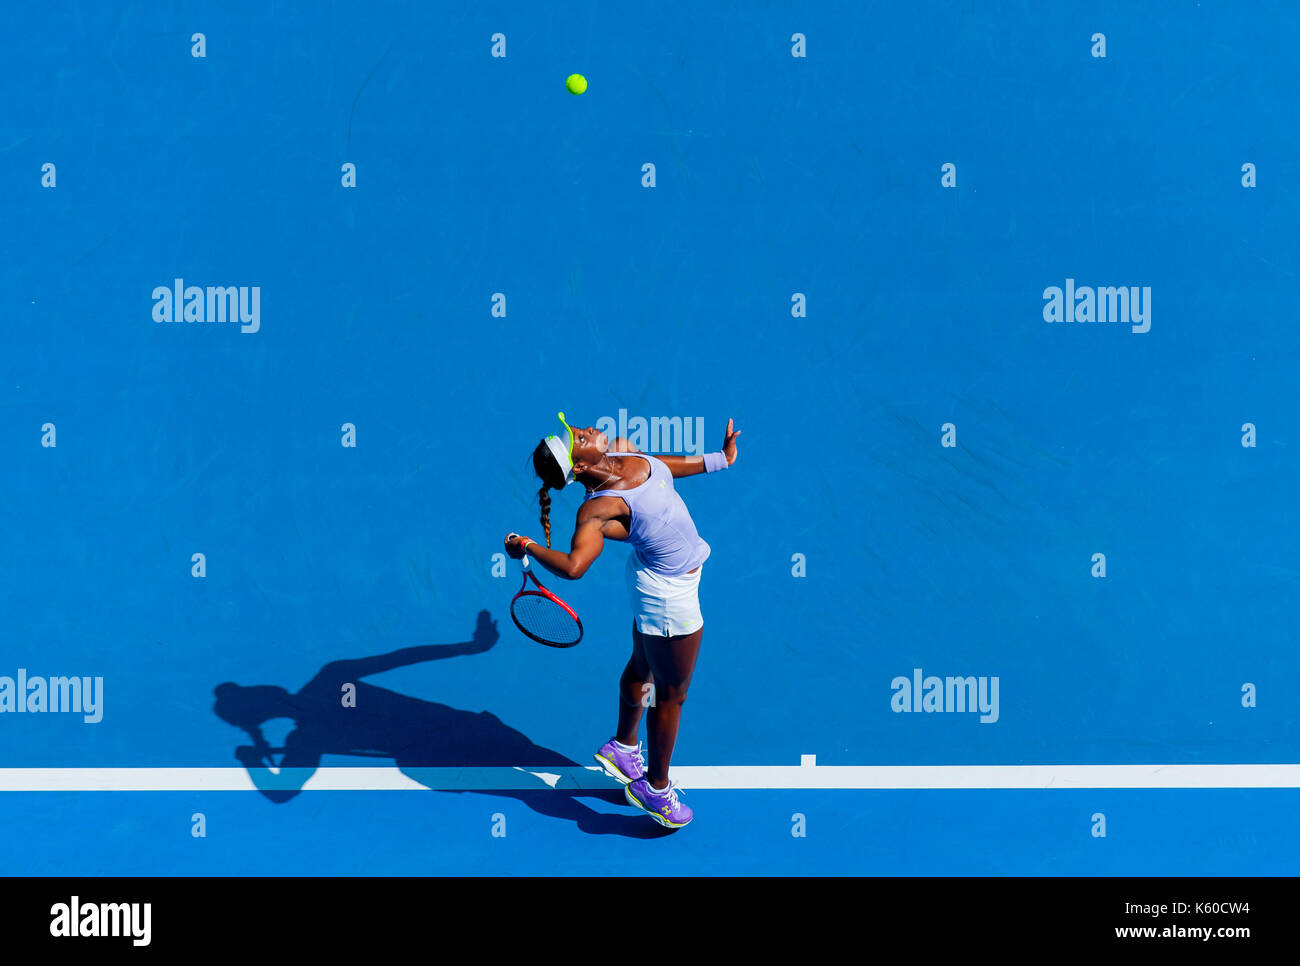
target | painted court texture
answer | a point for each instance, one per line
(995, 588)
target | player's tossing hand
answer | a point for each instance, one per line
(729, 443)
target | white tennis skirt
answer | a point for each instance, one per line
(661, 605)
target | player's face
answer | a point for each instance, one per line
(589, 445)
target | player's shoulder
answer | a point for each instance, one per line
(601, 508)
(634, 458)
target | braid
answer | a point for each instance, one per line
(544, 498)
(552, 477)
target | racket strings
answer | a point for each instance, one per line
(544, 618)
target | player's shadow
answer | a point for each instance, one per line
(337, 713)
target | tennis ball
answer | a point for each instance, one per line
(576, 83)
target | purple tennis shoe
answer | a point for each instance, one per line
(662, 804)
(626, 766)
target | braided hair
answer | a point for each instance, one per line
(552, 477)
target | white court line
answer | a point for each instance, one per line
(738, 777)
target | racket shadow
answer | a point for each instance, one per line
(436, 745)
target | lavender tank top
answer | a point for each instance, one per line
(662, 532)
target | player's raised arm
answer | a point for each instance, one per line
(710, 462)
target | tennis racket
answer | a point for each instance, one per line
(543, 616)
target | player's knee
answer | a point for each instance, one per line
(671, 694)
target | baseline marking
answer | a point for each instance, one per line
(577, 777)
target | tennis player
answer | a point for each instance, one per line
(630, 496)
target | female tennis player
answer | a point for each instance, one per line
(630, 496)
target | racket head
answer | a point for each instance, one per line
(542, 616)
(545, 618)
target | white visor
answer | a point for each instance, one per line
(561, 454)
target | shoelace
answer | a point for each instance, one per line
(671, 794)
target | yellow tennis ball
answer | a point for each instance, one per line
(576, 83)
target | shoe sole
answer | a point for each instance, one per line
(611, 769)
(654, 815)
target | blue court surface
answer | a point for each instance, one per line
(1000, 295)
